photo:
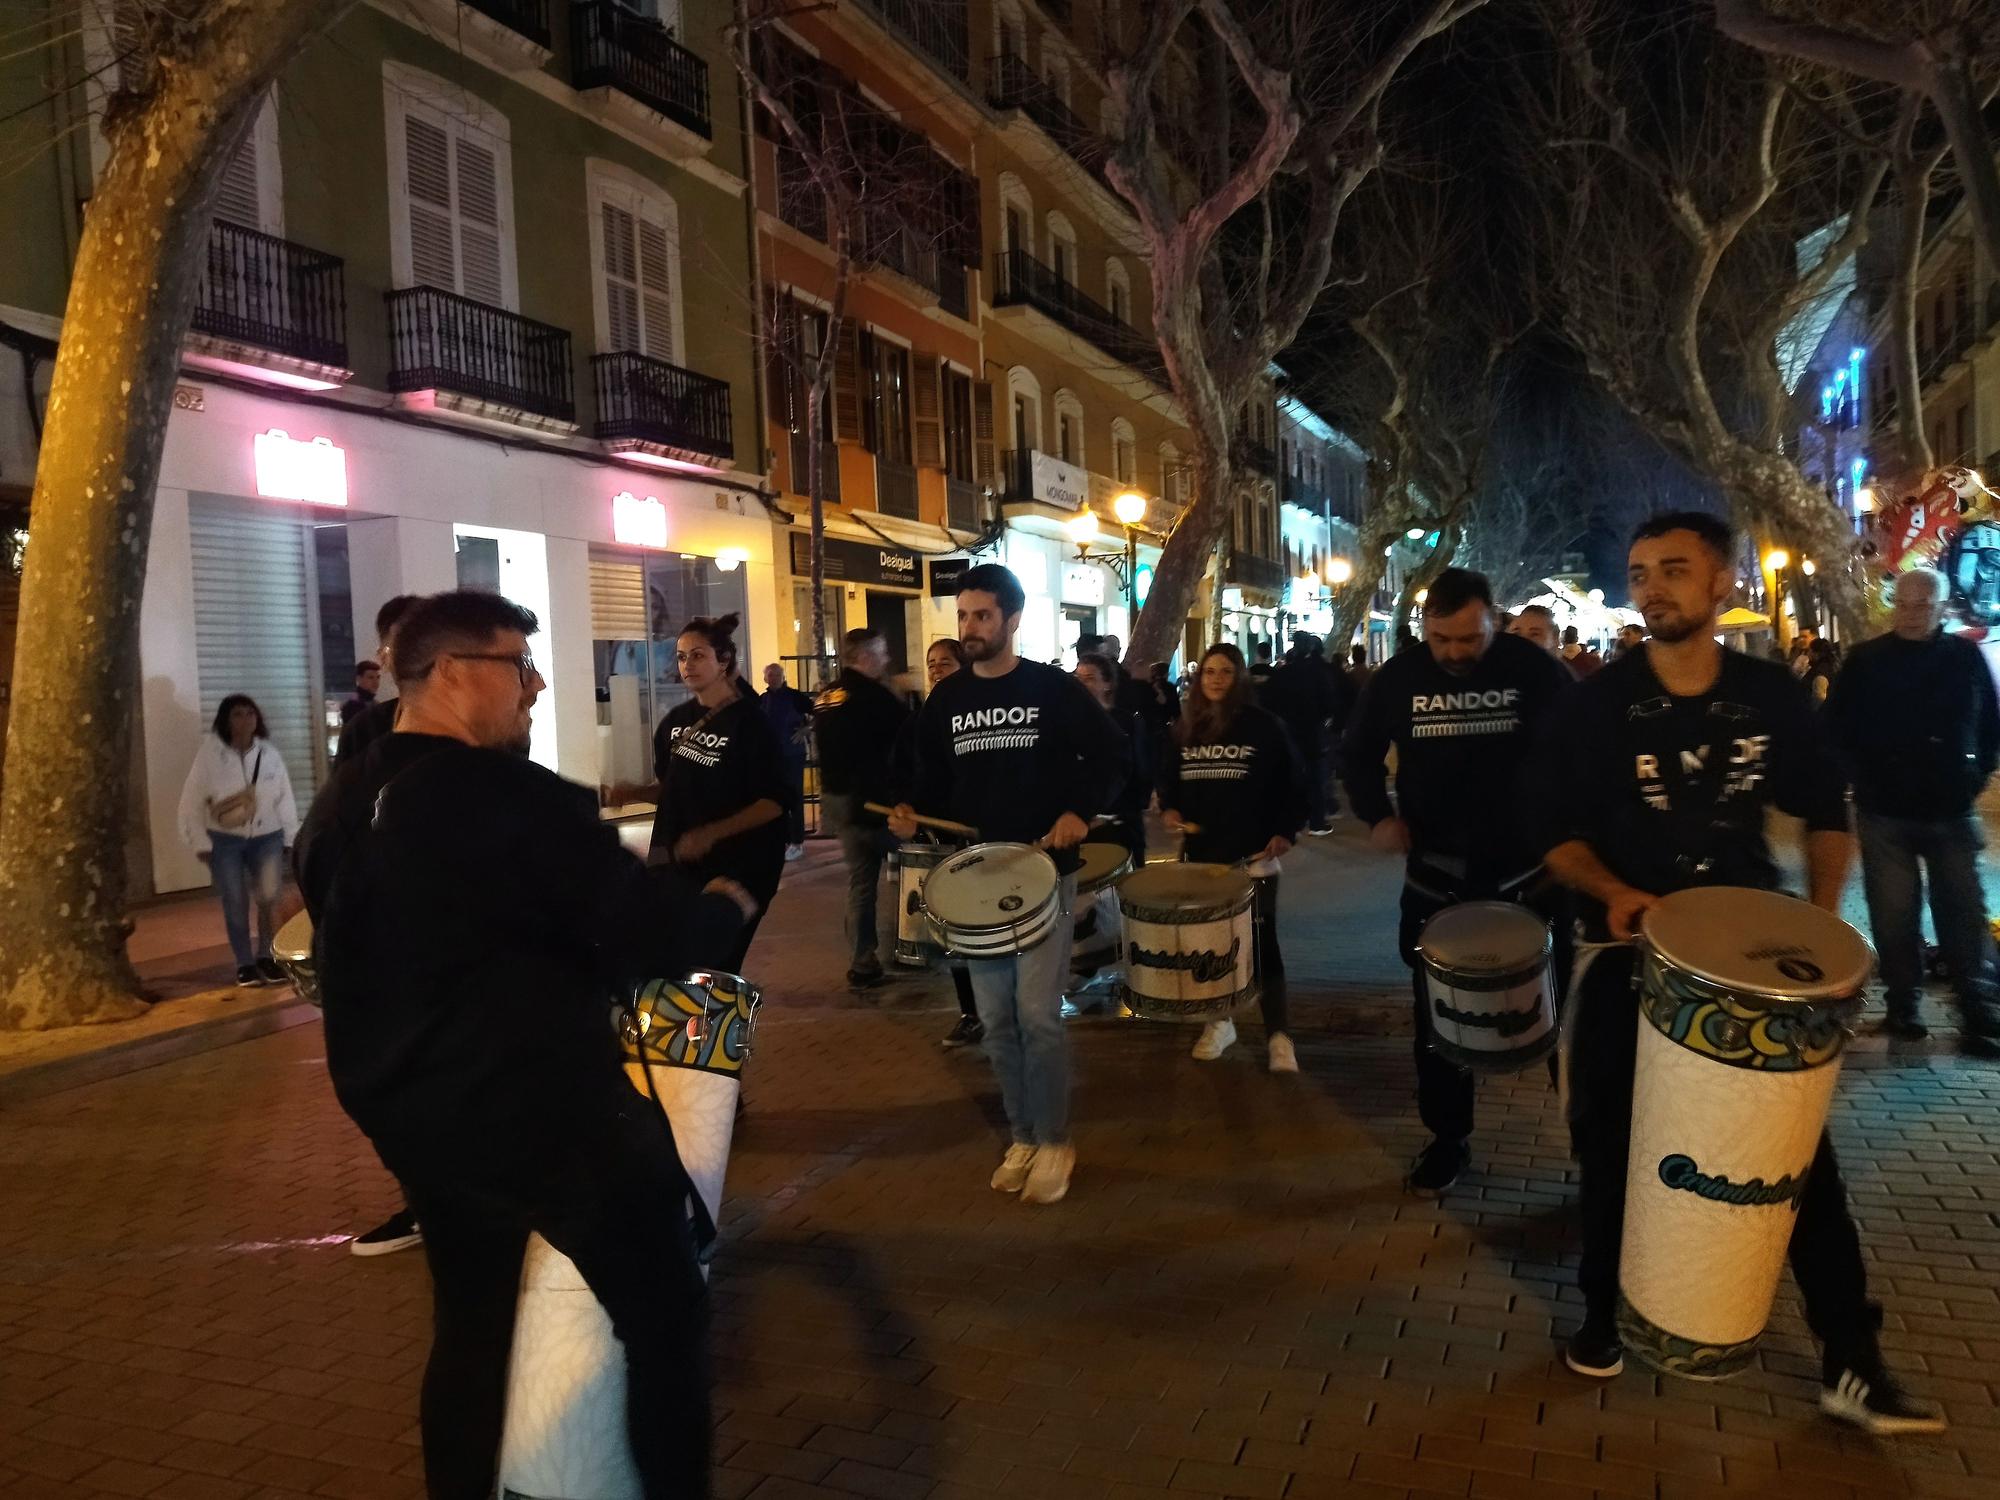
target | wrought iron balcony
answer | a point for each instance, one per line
(937, 28)
(441, 341)
(1251, 454)
(1023, 281)
(260, 290)
(647, 400)
(1247, 570)
(529, 17)
(612, 47)
(1012, 84)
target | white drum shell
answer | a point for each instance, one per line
(1190, 971)
(1493, 1024)
(999, 899)
(916, 948)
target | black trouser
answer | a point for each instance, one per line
(1320, 803)
(961, 980)
(620, 1215)
(739, 951)
(1270, 961)
(1825, 1249)
(1444, 1090)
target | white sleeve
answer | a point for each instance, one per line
(194, 804)
(287, 807)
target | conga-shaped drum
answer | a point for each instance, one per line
(1190, 941)
(1745, 999)
(685, 1041)
(1489, 985)
(915, 947)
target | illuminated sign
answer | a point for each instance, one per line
(636, 522)
(1082, 584)
(1142, 582)
(290, 468)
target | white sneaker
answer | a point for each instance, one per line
(1217, 1037)
(1283, 1058)
(1012, 1173)
(794, 851)
(1048, 1178)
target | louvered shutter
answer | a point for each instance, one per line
(656, 286)
(253, 626)
(433, 249)
(781, 349)
(617, 598)
(985, 463)
(927, 412)
(240, 199)
(621, 281)
(478, 190)
(847, 385)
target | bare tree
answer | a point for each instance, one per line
(1238, 264)
(190, 80)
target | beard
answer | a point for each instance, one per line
(1673, 627)
(980, 647)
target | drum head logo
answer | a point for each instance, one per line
(1803, 970)
(1011, 903)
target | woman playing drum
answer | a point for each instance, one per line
(1230, 781)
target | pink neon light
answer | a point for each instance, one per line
(290, 468)
(638, 523)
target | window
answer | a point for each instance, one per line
(886, 410)
(1010, 32)
(1124, 452)
(1062, 249)
(1055, 68)
(1069, 428)
(958, 462)
(1025, 398)
(635, 244)
(451, 189)
(250, 194)
(1170, 477)
(798, 335)
(1118, 291)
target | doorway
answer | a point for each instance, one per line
(888, 616)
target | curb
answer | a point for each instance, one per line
(37, 1080)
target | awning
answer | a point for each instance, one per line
(1740, 618)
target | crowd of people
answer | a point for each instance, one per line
(473, 911)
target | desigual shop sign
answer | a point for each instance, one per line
(860, 562)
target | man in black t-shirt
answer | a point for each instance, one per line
(1657, 776)
(360, 730)
(1462, 710)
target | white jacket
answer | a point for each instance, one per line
(219, 772)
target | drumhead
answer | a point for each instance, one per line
(1182, 888)
(1484, 937)
(294, 940)
(990, 885)
(1101, 862)
(1759, 942)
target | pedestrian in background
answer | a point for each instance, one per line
(1099, 675)
(789, 713)
(1163, 705)
(1915, 715)
(238, 815)
(367, 679)
(1358, 670)
(379, 717)
(1312, 701)
(1822, 666)
(857, 722)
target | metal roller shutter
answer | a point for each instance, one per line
(254, 626)
(617, 598)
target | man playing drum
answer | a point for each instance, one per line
(1658, 774)
(1020, 751)
(1462, 711)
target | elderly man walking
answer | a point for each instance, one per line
(1916, 715)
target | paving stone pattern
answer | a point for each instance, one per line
(1237, 1300)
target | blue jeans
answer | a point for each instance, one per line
(1897, 854)
(863, 846)
(245, 869)
(1020, 1004)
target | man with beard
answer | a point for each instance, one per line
(1463, 711)
(1657, 776)
(473, 918)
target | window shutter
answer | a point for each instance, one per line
(781, 350)
(985, 463)
(239, 199)
(617, 598)
(478, 185)
(656, 287)
(433, 257)
(847, 385)
(927, 419)
(621, 278)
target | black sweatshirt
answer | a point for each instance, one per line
(855, 723)
(1242, 789)
(1672, 792)
(1011, 754)
(1462, 744)
(710, 767)
(471, 929)
(1918, 724)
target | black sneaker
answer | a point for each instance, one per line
(1437, 1166)
(268, 970)
(1978, 1044)
(1594, 1350)
(247, 978)
(1904, 1028)
(969, 1032)
(866, 979)
(1878, 1406)
(398, 1232)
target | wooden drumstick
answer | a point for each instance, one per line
(1187, 827)
(922, 821)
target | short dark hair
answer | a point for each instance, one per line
(228, 706)
(366, 666)
(1569, 635)
(720, 633)
(1357, 652)
(388, 615)
(461, 620)
(1455, 588)
(1086, 643)
(855, 641)
(1537, 609)
(1099, 663)
(1715, 533)
(1000, 582)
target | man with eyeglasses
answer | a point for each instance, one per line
(473, 916)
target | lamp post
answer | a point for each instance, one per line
(1130, 508)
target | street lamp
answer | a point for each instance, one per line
(1808, 567)
(1777, 559)
(1422, 595)
(1083, 527)
(1864, 500)
(1415, 534)
(1338, 571)
(1130, 509)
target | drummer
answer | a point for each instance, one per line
(1018, 750)
(1462, 711)
(1658, 775)
(1231, 784)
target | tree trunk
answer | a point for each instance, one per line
(1183, 561)
(1913, 181)
(1421, 578)
(1957, 100)
(816, 512)
(63, 816)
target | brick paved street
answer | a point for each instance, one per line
(1237, 1299)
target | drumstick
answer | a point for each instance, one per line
(927, 822)
(1187, 827)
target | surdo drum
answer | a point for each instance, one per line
(993, 900)
(1489, 985)
(1745, 999)
(915, 947)
(1190, 941)
(685, 1042)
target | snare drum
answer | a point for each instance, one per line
(915, 947)
(1489, 983)
(1102, 865)
(1190, 941)
(993, 900)
(292, 948)
(1745, 1000)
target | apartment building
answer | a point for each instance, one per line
(1323, 489)
(475, 310)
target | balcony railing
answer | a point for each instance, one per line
(1023, 281)
(651, 401)
(895, 488)
(829, 467)
(1253, 455)
(1012, 84)
(258, 289)
(936, 28)
(1247, 570)
(441, 341)
(529, 17)
(961, 504)
(611, 46)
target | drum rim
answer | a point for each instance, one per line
(1512, 909)
(1832, 990)
(1055, 879)
(1139, 871)
(1230, 1003)
(1485, 981)
(1117, 872)
(1186, 916)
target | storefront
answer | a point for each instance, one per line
(871, 582)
